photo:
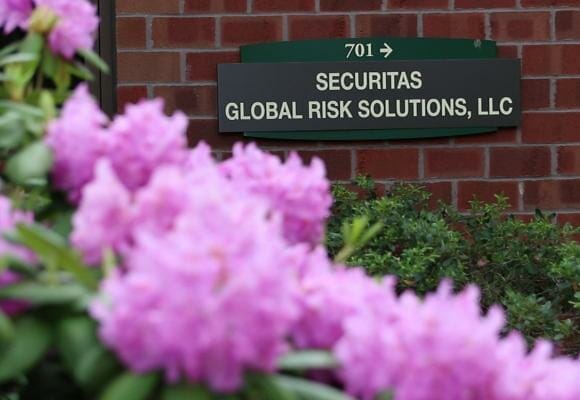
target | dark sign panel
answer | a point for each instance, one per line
(369, 95)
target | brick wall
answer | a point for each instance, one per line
(170, 48)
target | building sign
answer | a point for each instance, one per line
(368, 94)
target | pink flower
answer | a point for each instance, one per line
(103, 218)
(14, 14)
(78, 139)
(300, 194)
(75, 27)
(443, 348)
(329, 296)
(535, 376)
(135, 143)
(144, 139)
(212, 297)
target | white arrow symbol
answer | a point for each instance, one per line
(386, 50)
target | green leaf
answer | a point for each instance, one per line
(386, 396)
(33, 43)
(81, 72)
(261, 386)
(50, 247)
(131, 387)
(90, 363)
(6, 328)
(30, 165)
(304, 360)
(45, 295)
(310, 390)
(47, 105)
(9, 49)
(96, 367)
(19, 58)
(93, 58)
(12, 131)
(21, 108)
(75, 336)
(50, 63)
(186, 392)
(31, 340)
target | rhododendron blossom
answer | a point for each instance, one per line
(14, 14)
(144, 139)
(212, 297)
(75, 25)
(329, 296)
(135, 143)
(78, 139)
(103, 219)
(300, 193)
(443, 348)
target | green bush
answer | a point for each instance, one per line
(531, 268)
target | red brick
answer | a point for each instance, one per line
(551, 59)
(548, 3)
(283, 5)
(484, 3)
(203, 66)
(568, 93)
(570, 218)
(451, 163)
(192, 100)
(535, 93)
(350, 5)
(131, 32)
(417, 4)
(520, 26)
(503, 135)
(486, 191)
(569, 160)
(519, 161)
(454, 25)
(443, 141)
(206, 130)
(568, 24)
(147, 7)
(148, 67)
(129, 94)
(440, 191)
(552, 194)
(400, 25)
(319, 26)
(388, 163)
(551, 127)
(507, 51)
(183, 32)
(246, 30)
(338, 162)
(215, 6)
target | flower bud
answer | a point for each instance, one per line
(42, 20)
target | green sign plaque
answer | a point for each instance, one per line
(383, 50)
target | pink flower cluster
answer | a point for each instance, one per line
(220, 273)
(14, 14)
(74, 29)
(303, 198)
(442, 348)
(9, 218)
(209, 290)
(137, 144)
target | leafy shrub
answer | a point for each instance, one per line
(531, 268)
